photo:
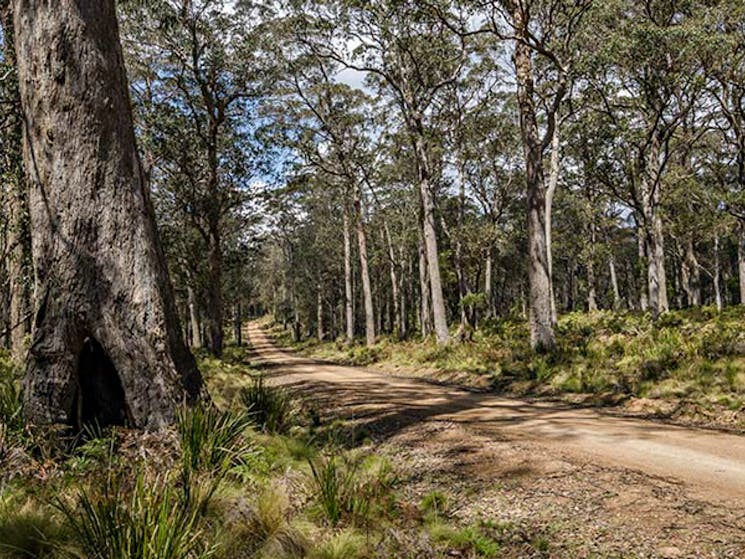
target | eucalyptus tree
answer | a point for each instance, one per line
(196, 87)
(544, 39)
(106, 346)
(410, 56)
(649, 80)
(725, 66)
(335, 123)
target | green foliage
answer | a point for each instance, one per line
(28, 530)
(211, 440)
(150, 520)
(470, 539)
(347, 487)
(270, 408)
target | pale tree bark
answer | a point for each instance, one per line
(614, 283)
(429, 234)
(642, 253)
(691, 275)
(106, 347)
(553, 182)
(425, 313)
(195, 331)
(367, 297)
(348, 288)
(654, 236)
(488, 284)
(319, 312)
(592, 302)
(541, 319)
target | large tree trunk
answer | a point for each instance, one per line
(107, 346)
(425, 313)
(641, 246)
(364, 272)
(348, 288)
(429, 234)
(541, 319)
(553, 182)
(654, 237)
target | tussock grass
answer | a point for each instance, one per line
(271, 408)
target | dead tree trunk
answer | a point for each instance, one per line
(107, 346)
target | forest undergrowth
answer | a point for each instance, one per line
(260, 474)
(688, 365)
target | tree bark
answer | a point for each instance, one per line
(107, 346)
(691, 275)
(553, 182)
(425, 313)
(654, 237)
(319, 312)
(429, 235)
(348, 288)
(541, 319)
(18, 234)
(364, 271)
(614, 283)
(196, 333)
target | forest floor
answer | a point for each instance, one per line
(585, 482)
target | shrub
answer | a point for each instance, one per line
(345, 487)
(28, 530)
(211, 440)
(150, 521)
(271, 408)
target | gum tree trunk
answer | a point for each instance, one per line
(541, 316)
(348, 288)
(107, 346)
(364, 271)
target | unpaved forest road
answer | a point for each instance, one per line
(706, 464)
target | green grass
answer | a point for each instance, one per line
(260, 475)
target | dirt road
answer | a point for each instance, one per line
(611, 486)
(709, 464)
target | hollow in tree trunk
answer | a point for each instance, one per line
(107, 346)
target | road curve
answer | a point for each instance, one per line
(711, 465)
